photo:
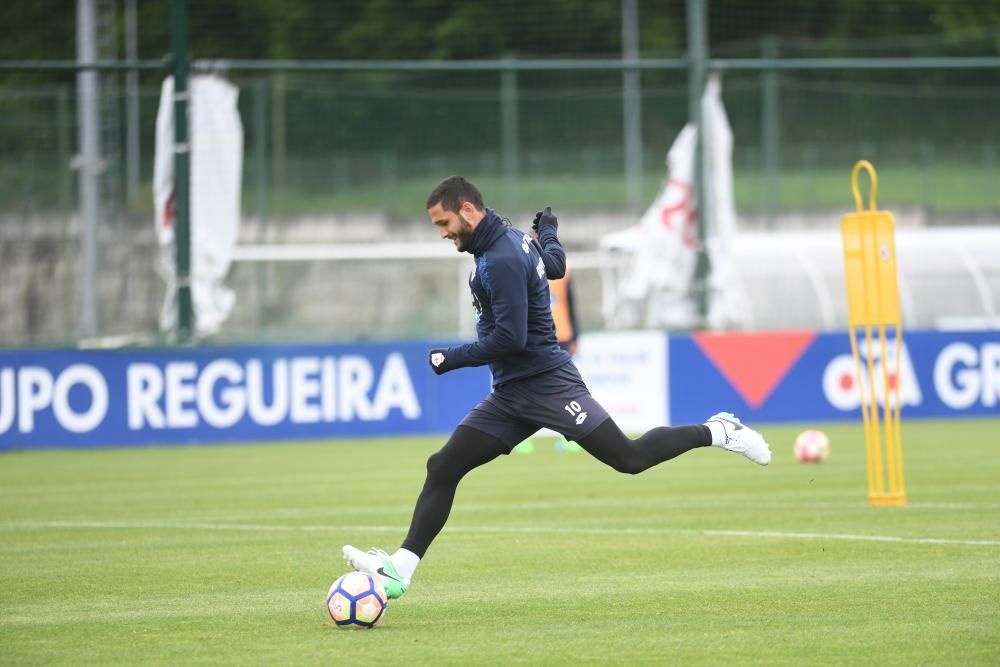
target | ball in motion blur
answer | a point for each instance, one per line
(356, 600)
(812, 447)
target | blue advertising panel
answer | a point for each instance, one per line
(803, 376)
(82, 398)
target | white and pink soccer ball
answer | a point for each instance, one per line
(356, 600)
(812, 447)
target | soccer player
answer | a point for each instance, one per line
(535, 383)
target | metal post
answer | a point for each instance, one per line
(182, 178)
(632, 107)
(509, 134)
(928, 170)
(279, 152)
(89, 165)
(262, 270)
(64, 146)
(770, 131)
(697, 34)
(389, 171)
(989, 175)
(131, 106)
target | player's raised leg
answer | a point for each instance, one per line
(560, 400)
(729, 433)
(610, 445)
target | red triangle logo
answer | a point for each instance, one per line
(754, 363)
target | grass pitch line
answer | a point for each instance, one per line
(797, 502)
(723, 533)
(765, 534)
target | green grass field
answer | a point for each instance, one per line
(223, 555)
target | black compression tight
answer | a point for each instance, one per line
(608, 444)
(468, 449)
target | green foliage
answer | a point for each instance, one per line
(223, 555)
(38, 29)
(448, 29)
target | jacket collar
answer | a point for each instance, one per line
(489, 229)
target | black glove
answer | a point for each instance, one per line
(438, 360)
(543, 218)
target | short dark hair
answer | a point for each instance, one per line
(452, 192)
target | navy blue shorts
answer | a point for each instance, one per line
(556, 399)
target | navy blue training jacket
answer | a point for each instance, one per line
(510, 293)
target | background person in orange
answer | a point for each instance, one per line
(564, 311)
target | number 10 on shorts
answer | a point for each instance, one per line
(576, 411)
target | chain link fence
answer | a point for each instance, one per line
(341, 155)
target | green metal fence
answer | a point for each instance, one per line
(332, 140)
(347, 140)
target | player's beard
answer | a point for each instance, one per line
(464, 236)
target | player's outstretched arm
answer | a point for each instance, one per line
(509, 336)
(546, 228)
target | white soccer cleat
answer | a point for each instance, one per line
(377, 563)
(742, 439)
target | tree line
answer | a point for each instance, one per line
(455, 29)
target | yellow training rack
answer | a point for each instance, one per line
(874, 321)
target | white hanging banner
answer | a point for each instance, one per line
(216, 159)
(651, 266)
